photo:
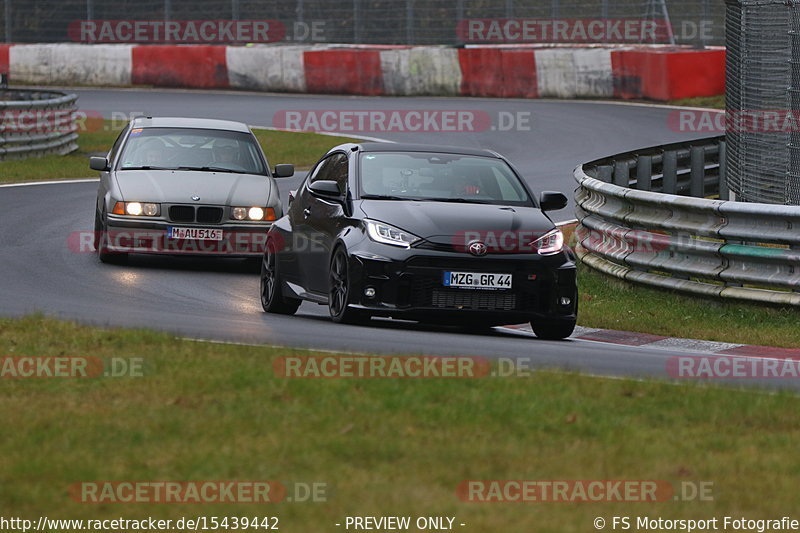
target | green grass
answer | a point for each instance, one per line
(609, 303)
(384, 447)
(713, 102)
(300, 149)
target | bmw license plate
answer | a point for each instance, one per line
(477, 280)
(196, 234)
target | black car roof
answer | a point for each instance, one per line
(408, 147)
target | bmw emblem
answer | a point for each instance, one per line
(196, 198)
(478, 248)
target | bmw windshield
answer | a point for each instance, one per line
(192, 149)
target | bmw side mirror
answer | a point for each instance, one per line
(98, 163)
(284, 170)
(552, 201)
(326, 189)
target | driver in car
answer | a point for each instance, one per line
(224, 153)
(153, 155)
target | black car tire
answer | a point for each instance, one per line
(101, 242)
(341, 291)
(553, 329)
(272, 298)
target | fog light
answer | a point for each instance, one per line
(565, 301)
(369, 292)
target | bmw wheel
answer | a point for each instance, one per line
(101, 241)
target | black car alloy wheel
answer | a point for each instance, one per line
(340, 291)
(272, 300)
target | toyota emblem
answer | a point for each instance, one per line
(196, 198)
(478, 248)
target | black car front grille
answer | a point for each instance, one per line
(437, 247)
(188, 213)
(474, 299)
(427, 290)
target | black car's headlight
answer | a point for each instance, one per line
(136, 209)
(388, 234)
(549, 244)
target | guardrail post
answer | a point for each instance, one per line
(724, 192)
(697, 177)
(670, 172)
(622, 174)
(644, 173)
(605, 173)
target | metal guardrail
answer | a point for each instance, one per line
(662, 217)
(35, 123)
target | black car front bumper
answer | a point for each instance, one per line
(409, 283)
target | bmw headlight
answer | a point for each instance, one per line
(253, 213)
(387, 234)
(136, 209)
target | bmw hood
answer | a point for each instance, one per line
(439, 222)
(179, 186)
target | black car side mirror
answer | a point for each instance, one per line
(98, 163)
(284, 170)
(552, 201)
(326, 189)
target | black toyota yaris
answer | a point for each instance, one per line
(427, 233)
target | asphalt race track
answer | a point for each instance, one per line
(218, 299)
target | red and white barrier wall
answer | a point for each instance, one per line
(651, 72)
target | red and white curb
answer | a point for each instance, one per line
(674, 344)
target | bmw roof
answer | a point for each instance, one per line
(185, 122)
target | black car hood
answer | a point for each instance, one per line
(439, 222)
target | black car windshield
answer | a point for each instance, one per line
(192, 149)
(440, 177)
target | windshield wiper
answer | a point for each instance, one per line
(389, 197)
(147, 167)
(459, 200)
(213, 169)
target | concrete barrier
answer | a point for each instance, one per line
(267, 68)
(574, 72)
(519, 74)
(343, 71)
(655, 72)
(421, 71)
(71, 64)
(4, 62)
(201, 66)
